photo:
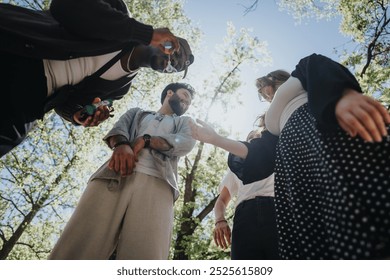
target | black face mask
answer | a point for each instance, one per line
(175, 103)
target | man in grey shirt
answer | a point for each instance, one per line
(128, 203)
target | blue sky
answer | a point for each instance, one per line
(287, 43)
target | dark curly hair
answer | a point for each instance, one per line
(174, 87)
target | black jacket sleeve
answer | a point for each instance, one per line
(100, 19)
(324, 80)
(260, 161)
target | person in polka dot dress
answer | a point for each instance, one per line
(332, 170)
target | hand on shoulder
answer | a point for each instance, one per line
(361, 115)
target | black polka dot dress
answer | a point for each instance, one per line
(332, 193)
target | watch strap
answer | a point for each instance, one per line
(147, 138)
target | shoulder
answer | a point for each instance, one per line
(181, 121)
(229, 175)
(264, 144)
(133, 111)
(184, 119)
(145, 111)
(227, 179)
(266, 136)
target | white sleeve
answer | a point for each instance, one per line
(289, 96)
(230, 182)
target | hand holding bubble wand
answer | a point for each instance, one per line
(90, 110)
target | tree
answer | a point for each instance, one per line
(37, 183)
(368, 22)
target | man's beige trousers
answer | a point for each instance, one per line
(135, 217)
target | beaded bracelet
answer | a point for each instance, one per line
(220, 221)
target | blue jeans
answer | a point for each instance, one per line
(254, 235)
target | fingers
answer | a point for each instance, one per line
(126, 167)
(379, 114)
(162, 35)
(226, 237)
(222, 236)
(204, 132)
(364, 116)
(122, 160)
(164, 50)
(373, 121)
(138, 145)
(96, 100)
(175, 43)
(114, 163)
(351, 131)
(359, 123)
(219, 239)
(102, 113)
(385, 114)
(169, 37)
(368, 123)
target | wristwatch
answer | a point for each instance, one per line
(147, 138)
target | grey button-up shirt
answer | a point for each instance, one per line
(165, 162)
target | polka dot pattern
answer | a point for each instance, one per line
(332, 193)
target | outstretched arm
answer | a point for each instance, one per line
(100, 19)
(204, 132)
(109, 20)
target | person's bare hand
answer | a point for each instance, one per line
(102, 113)
(163, 35)
(123, 160)
(203, 132)
(222, 234)
(361, 115)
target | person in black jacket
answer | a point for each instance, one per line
(48, 60)
(332, 165)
